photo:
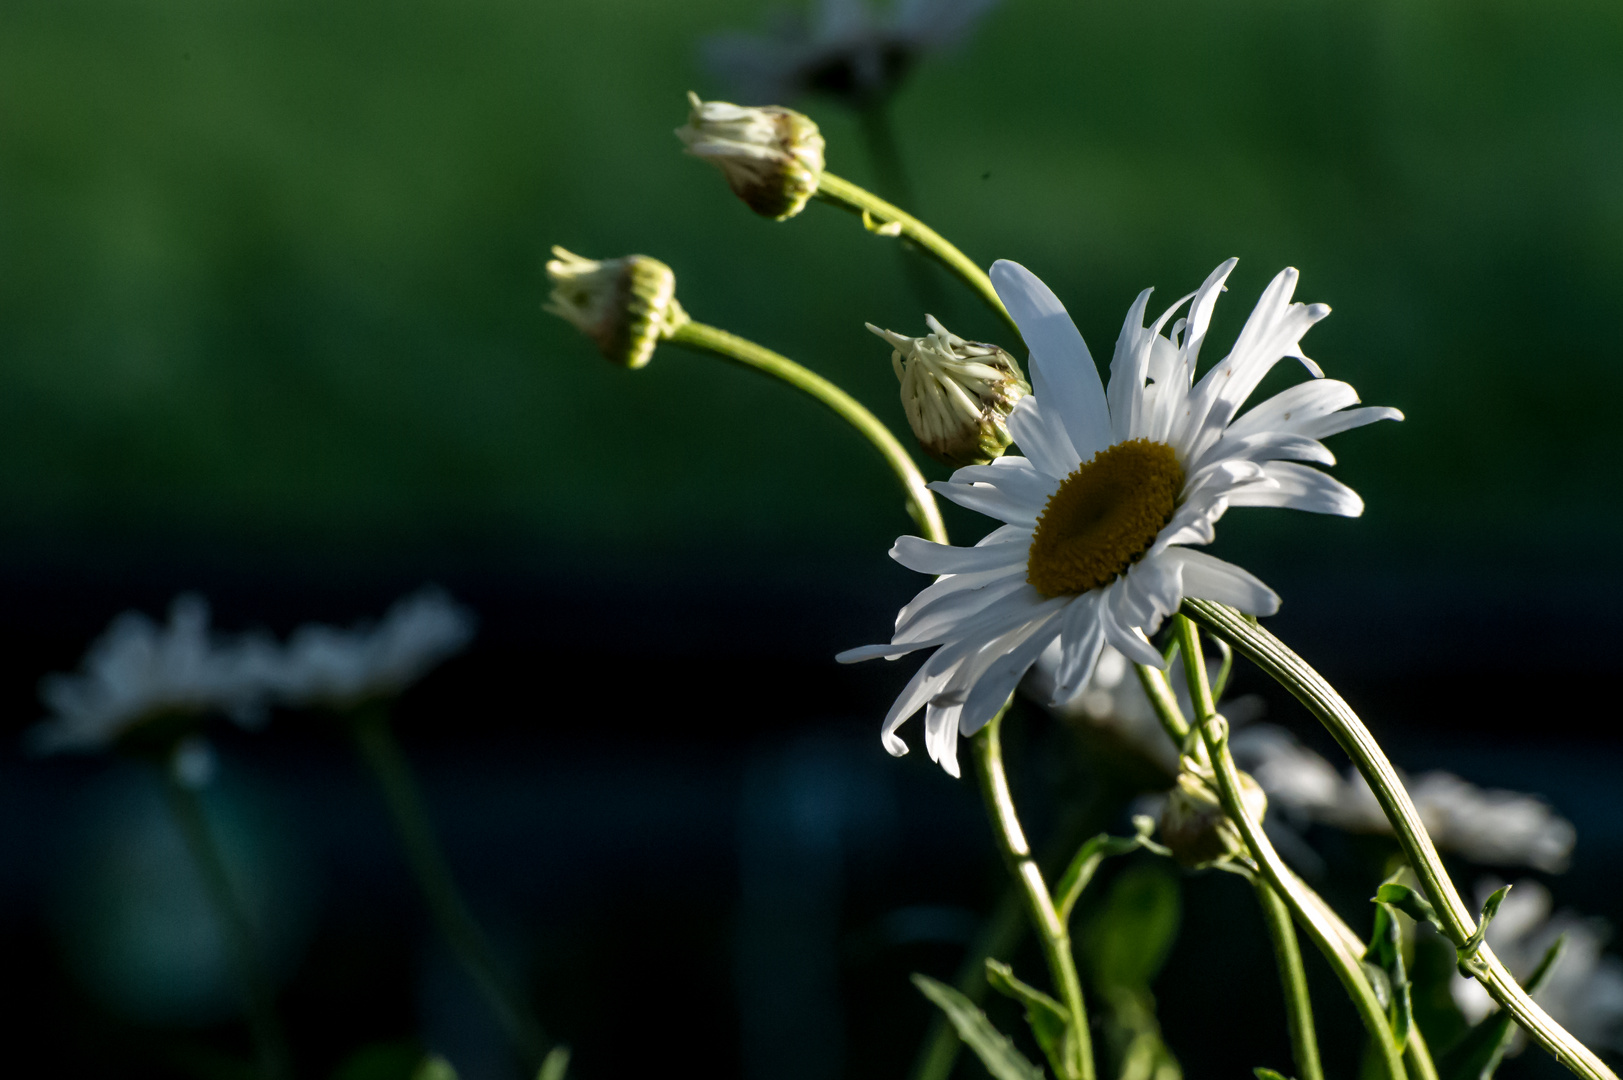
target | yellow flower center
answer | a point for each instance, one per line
(1104, 517)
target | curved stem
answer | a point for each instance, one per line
(1292, 981)
(270, 1043)
(846, 195)
(920, 501)
(1051, 930)
(382, 754)
(1285, 883)
(1321, 699)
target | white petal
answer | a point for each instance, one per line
(1016, 655)
(928, 557)
(1063, 376)
(937, 612)
(1128, 370)
(1301, 488)
(1209, 578)
(1336, 423)
(991, 501)
(1040, 435)
(1288, 408)
(1128, 639)
(1265, 446)
(1200, 312)
(1014, 476)
(941, 736)
(1081, 637)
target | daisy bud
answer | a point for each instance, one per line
(772, 157)
(625, 305)
(957, 393)
(1195, 826)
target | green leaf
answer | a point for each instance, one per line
(1385, 954)
(1468, 951)
(381, 1061)
(1049, 1023)
(1478, 1053)
(1127, 939)
(434, 1067)
(555, 1065)
(1268, 1074)
(994, 1049)
(1088, 858)
(1408, 901)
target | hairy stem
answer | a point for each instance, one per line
(379, 749)
(1321, 699)
(270, 1043)
(1051, 930)
(881, 214)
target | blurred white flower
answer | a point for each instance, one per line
(843, 48)
(1584, 992)
(1492, 827)
(139, 670)
(325, 666)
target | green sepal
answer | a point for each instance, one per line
(1094, 852)
(1046, 1016)
(1480, 1050)
(1408, 901)
(1268, 1074)
(1385, 956)
(996, 1052)
(554, 1065)
(1467, 953)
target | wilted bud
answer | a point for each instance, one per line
(772, 157)
(1194, 825)
(625, 305)
(957, 393)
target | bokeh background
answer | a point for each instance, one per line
(270, 277)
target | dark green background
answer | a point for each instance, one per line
(270, 272)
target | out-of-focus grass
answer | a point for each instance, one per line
(271, 271)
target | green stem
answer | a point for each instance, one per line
(275, 1063)
(920, 500)
(1215, 734)
(1321, 699)
(1165, 702)
(848, 196)
(1051, 930)
(1292, 981)
(379, 749)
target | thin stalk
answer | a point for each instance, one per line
(881, 214)
(1285, 884)
(270, 1043)
(379, 749)
(1165, 702)
(1292, 981)
(1321, 699)
(1051, 930)
(920, 501)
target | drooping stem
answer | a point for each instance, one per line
(1051, 930)
(270, 1043)
(920, 501)
(1321, 699)
(1292, 981)
(379, 749)
(892, 220)
(1214, 733)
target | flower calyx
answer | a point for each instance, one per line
(957, 394)
(1194, 824)
(771, 157)
(625, 305)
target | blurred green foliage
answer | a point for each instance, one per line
(270, 271)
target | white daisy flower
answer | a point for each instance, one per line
(1110, 490)
(139, 671)
(325, 666)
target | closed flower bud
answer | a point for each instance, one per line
(1194, 825)
(957, 393)
(625, 305)
(772, 157)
